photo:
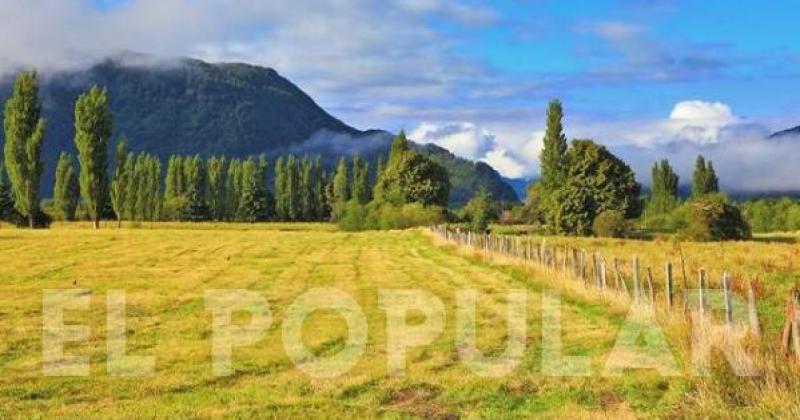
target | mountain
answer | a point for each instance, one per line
(193, 107)
(520, 186)
(785, 133)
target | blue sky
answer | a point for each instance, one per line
(647, 78)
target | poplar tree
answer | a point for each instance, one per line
(6, 202)
(194, 173)
(293, 188)
(263, 189)
(360, 188)
(140, 198)
(66, 190)
(281, 201)
(319, 191)
(341, 193)
(128, 205)
(307, 196)
(553, 154)
(217, 173)
(664, 188)
(24, 132)
(119, 181)
(233, 188)
(704, 180)
(93, 125)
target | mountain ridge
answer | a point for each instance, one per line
(189, 106)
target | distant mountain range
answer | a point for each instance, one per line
(193, 107)
(786, 133)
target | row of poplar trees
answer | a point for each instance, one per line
(25, 127)
(194, 188)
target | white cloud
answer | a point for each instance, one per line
(464, 139)
(699, 121)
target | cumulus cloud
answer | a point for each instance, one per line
(463, 139)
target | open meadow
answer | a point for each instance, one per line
(164, 270)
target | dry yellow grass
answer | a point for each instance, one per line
(165, 269)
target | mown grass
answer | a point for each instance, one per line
(166, 268)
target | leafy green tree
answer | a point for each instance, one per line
(479, 211)
(6, 202)
(131, 191)
(93, 125)
(341, 184)
(553, 155)
(293, 188)
(532, 211)
(360, 188)
(234, 188)
(308, 202)
(410, 177)
(320, 196)
(119, 182)
(281, 190)
(252, 206)
(66, 190)
(195, 176)
(664, 189)
(217, 172)
(24, 132)
(596, 181)
(705, 179)
(713, 218)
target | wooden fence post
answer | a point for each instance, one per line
(726, 285)
(702, 291)
(602, 273)
(752, 313)
(668, 285)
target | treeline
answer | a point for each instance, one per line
(773, 215)
(585, 190)
(137, 188)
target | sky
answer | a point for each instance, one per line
(648, 79)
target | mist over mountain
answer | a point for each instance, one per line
(192, 107)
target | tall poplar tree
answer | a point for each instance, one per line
(93, 125)
(293, 188)
(6, 202)
(553, 155)
(66, 190)
(24, 132)
(704, 180)
(664, 188)
(217, 174)
(281, 200)
(307, 197)
(360, 188)
(119, 181)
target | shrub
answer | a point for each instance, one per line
(479, 212)
(385, 216)
(610, 224)
(713, 218)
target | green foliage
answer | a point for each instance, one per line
(596, 181)
(664, 189)
(553, 155)
(6, 202)
(386, 216)
(119, 182)
(411, 177)
(217, 183)
(532, 212)
(93, 125)
(479, 211)
(773, 215)
(24, 129)
(704, 180)
(360, 189)
(610, 224)
(66, 191)
(713, 218)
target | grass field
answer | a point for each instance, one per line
(165, 269)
